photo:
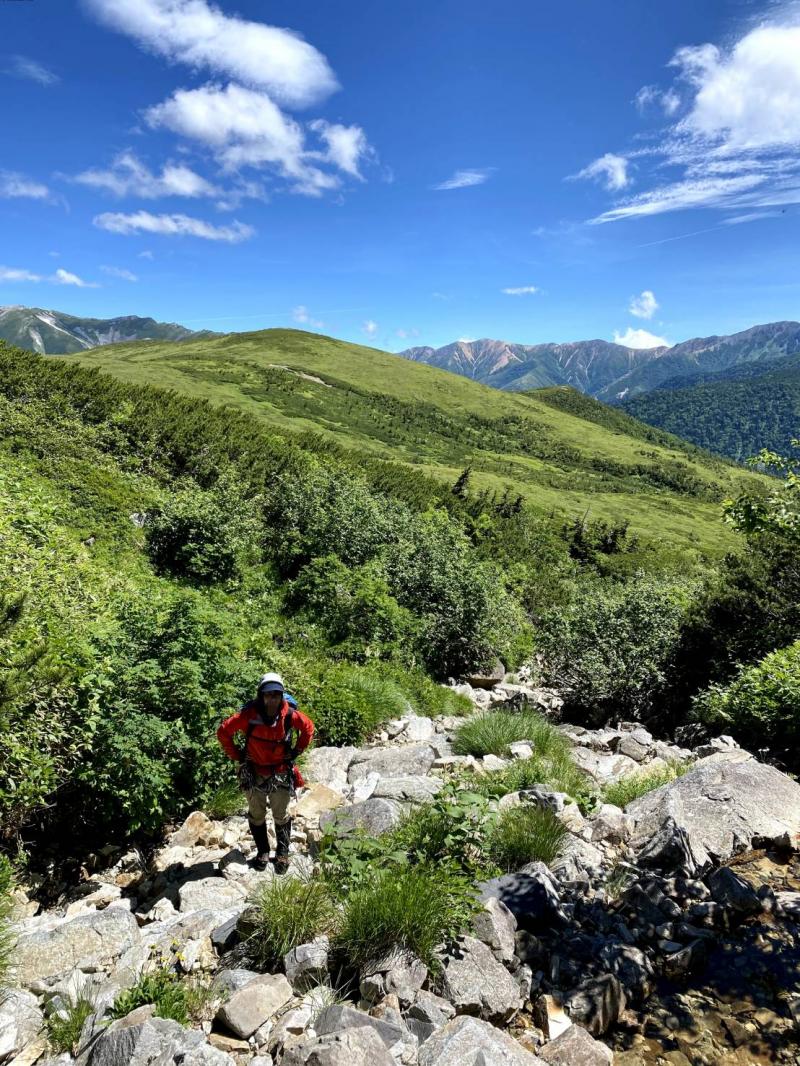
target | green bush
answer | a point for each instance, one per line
(612, 652)
(204, 536)
(761, 705)
(183, 999)
(64, 1027)
(413, 908)
(526, 834)
(6, 908)
(224, 801)
(492, 732)
(452, 829)
(632, 786)
(351, 702)
(289, 911)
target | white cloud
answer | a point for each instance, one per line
(14, 185)
(128, 176)
(347, 146)
(466, 340)
(404, 334)
(119, 272)
(640, 338)
(370, 328)
(173, 226)
(64, 277)
(246, 128)
(737, 142)
(31, 70)
(751, 216)
(610, 170)
(146, 254)
(521, 290)
(14, 274)
(463, 179)
(202, 36)
(644, 305)
(302, 316)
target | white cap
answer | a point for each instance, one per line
(271, 683)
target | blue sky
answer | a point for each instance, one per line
(402, 174)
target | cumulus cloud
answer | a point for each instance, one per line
(463, 179)
(737, 142)
(13, 185)
(119, 272)
(302, 316)
(370, 328)
(64, 277)
(172, 225)
(128, 176)
(644, 305)
(610, 170)
(201, 36)
(246, 128)
(640, 338)
(29, 69)
(15, 274)
(520, 290)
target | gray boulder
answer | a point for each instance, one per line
(20, 1022)
(468, 1041)
(349, 1047)
(489, 677)
(396, 1039)
(156, 1041)
(719, 807)
(579, 861)
(329, 766)
(51, 949)
(496, 926)
(210, 893)
(408, 788)
(531, 894)
(604, 768)
(403, 761)
(476, 983)
(597, 1003)
(575, 1047)
(248, 1008)
(376, 816)
(733, 892)
(307, 964)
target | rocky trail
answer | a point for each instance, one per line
(664, 933)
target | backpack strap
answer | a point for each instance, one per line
(287, 736)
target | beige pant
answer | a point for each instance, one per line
(277, 801)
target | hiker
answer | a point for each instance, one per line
(267, 773)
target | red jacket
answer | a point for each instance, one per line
(266, 749)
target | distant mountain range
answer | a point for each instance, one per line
(609, 372)
(55, 333)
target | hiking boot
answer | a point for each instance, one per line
(262, 846)
(284, 835)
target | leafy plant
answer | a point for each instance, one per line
(492, 732)
(632, 786)
(452, 829)
(64, 1026)
(412, 908)
(762, 702)
(526, 834)
(224, 801)
(182, 999)
(555, 770)
(290, 911)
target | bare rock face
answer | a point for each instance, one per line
(719, 807)
(476, 983)
(467, 1041)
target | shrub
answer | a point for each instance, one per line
(6, 908)
(290, 911)
(451, 829)
(762, 703)
(182, 999)
(612, 651)
(64, 1027)
(631, 786)
(412, 909)
(351, 702)
(224, 801)
(492, 732)
(526, 834)
(204, 536)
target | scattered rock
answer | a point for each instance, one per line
(406, 760)
(395, 1038)
(476, 983)
(576, 1047)
(210, 893)
(197, 829)
(419, 729)
(350, 1047)
(375, 816)
(247, 1009)
(489, 677)
(496, 926)
(307, 964)
(316, 800)
(466, 1041)
(329, 766)
(735, 894)
(413, 788)
(20, 1021)
(597, 1004)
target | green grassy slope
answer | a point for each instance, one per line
(386, 406)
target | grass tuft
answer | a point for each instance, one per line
(6, 908)
(291, 911)
(492, 732)
(224, 801)
(526, 834)
(64, 1028)
(622, 792)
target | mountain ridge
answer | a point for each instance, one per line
(50, 332)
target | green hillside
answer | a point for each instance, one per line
(388, 407)
(736, 413)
